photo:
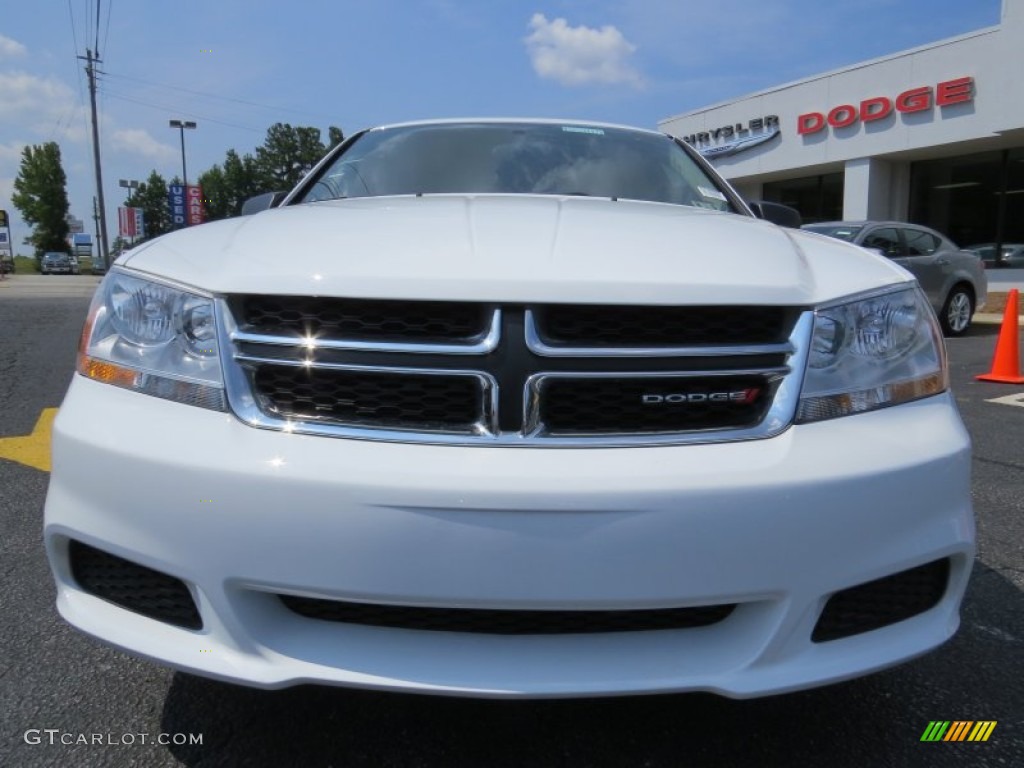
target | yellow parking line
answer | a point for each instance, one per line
(31, 450)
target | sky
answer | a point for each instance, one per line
(235, 67)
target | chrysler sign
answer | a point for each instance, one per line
(877, 107)
(730, 139)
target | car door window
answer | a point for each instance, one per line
(919, 242)
(886, 240)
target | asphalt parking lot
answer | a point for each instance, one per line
(56, 684)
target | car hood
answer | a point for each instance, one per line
(514, 248)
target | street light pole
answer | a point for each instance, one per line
(131, 185)
(182, 125)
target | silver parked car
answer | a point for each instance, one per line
(954, 279)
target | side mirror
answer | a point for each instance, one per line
(776, 213)
(263, 202)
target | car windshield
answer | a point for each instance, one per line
(840, 231)
(518, 158)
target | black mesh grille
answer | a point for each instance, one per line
(378, 399)
(363, 319)
(134, 587)
(645, 405)
(662, 326)
(882, 602)
(424, 369)
(501, 622)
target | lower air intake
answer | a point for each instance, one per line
(882, 602)
(506, 622)
(133, 587)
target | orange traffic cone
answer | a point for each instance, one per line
(1006, 363)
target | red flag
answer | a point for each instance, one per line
(126, 222)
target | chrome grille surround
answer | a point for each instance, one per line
(535, 427)
(483, 423)
(244, 351)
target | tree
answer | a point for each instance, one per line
(119, 245)
(242, 179)
(288, 153)
(225, 189)
(151, 197)
(334, 136)
(215, 194)
(40, 193)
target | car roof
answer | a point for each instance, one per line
(517, 121)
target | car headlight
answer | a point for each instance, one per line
(871, 353)
(154, 338)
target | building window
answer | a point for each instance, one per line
(973, 199)
(818, 198)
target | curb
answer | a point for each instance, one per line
(987, 318)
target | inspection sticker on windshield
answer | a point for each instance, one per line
(577, 129)
(714, 194)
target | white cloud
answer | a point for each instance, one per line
(580, 55)
(11, 49)
(31, 101)
(6, 190)
(139, 142)
(10, 162)
(11, 153)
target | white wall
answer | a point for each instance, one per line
(1007, 80)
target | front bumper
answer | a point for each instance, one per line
(776, 526)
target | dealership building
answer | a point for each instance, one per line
(932, 135)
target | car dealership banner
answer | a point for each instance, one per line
(130, 222)
(194, 201)
(186, 206)
(176, 199)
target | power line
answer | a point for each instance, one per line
(74, 35)
(66, 118)
(78, 72)
(106, 32)
(215, 96)
(165, 108)
(97, 46)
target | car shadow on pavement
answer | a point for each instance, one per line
(877, 720)
(978, 330)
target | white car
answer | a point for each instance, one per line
(511, 409)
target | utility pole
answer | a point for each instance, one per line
(90, 70)
(96, 221)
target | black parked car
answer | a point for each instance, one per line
(56, 263)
